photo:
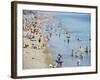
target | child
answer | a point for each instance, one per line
(59, 60)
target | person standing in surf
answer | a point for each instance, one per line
(59, 60)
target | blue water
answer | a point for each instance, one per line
(76, 28)
(58, 45)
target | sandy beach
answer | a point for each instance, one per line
(36, 58)
(36, 50)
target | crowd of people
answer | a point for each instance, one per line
(35, 35)
(42, 36)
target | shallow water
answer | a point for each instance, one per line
(58, 45)
(77, 25)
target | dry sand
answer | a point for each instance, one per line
(36, 58)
